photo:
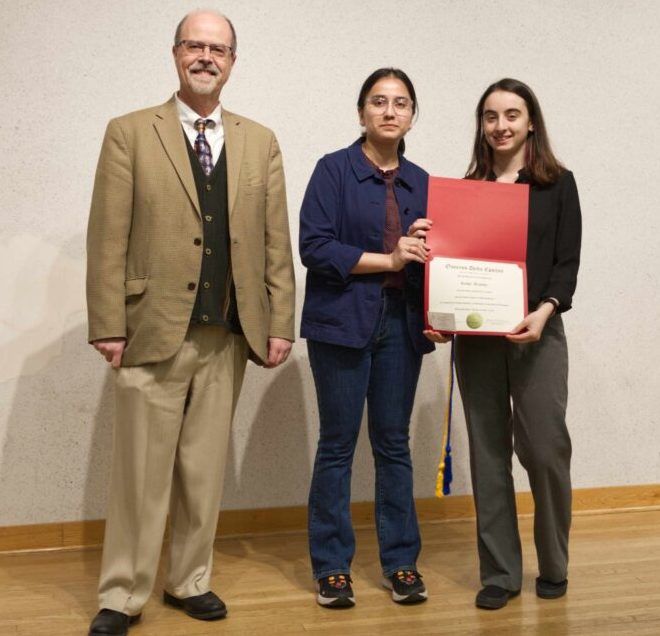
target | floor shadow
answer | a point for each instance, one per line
(270, 461)
(57, 447)
(55, 457)
(265, 436)
(427, 431)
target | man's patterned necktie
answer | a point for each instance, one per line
(202, 147)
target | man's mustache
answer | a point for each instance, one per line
(202, 66)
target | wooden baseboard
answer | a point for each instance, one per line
(84, 534)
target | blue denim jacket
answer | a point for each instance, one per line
(343, 216)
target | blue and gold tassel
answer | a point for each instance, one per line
(445, 476)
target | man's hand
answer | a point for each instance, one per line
(111, 349)
(531, 328)
(278, 352)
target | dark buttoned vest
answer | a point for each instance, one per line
(215, 303)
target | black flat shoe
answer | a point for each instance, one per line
(205, 607)
(548, 589)
(112, 623)
(494, 597)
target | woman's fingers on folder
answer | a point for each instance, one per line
(419, 228)
(408, 250)
(530, 328)
(437, 336)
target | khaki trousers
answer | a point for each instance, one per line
(514, 396)
(170, 444)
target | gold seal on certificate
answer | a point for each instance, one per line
(474, 320)
(475, 296)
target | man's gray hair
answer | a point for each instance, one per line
(179, 27)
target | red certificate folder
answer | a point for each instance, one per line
(477, 220)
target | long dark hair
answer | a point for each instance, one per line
(540, 162)
(379, 74)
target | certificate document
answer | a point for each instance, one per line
(475, 296)
(476, 279)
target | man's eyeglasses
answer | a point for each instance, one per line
(380, 103)
(195, 47)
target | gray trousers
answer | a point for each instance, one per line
(514, 396)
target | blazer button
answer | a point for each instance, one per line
(209, 187)
(191, 286)
(208, 218)
(207, 251)
(197, 241)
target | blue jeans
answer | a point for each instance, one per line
(385, 373)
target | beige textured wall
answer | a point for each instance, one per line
(69, 66)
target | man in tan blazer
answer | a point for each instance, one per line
(189, 273)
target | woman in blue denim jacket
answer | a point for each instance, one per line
(363, 321)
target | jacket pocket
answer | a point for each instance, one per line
(135, 286)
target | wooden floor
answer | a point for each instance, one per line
(265, 581)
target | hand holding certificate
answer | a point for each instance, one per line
(476, 277)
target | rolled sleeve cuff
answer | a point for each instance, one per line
(345, 260)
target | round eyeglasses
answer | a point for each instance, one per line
(401, 105)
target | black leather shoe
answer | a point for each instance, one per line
(112, 623)
(205, 607)
(494, 597)
(548, 589)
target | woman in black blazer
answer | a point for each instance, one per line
(514, 388)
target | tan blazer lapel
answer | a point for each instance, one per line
(168, 127)
(234, 144)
